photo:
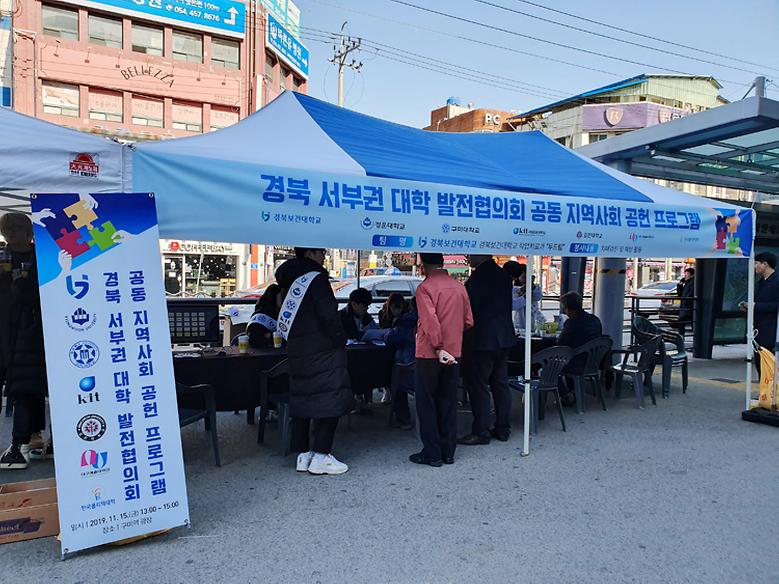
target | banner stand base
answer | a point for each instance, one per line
(761, 416)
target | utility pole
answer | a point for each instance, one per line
(340, 53)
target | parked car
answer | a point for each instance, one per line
(651, 301)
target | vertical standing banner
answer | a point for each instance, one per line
(118, 460)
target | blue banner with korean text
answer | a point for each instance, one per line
(118, 460)
(292, 207)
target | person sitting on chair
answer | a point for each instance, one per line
(395, 306)
(579, 328)
(262, 324)
(355, 317)
(402, 337)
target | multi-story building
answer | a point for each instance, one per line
(454, 117)
(152, 69)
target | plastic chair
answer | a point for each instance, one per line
(637, 364)
(671, 352)
(550, 363)
(281, 398)
(595, 351)
(189, 415)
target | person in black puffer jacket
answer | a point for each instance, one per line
(22, 356)
(320, 388)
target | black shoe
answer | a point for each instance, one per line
(420, 458)
(502, 436)
(13, 459)
(473, 440)
(448, 459)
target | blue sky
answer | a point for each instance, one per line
(399, 92)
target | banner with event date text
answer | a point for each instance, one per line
(118, 461)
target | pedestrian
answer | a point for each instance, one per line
(518, 273)
(486, 351)
(766, 302)
(444, 315)
(580, 327)
(395, 306)
(319, 385)
(22, 356)
(354, 316)
(685, 290)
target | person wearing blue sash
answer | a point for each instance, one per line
(262, 324)
(319, 386)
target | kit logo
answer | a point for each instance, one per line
(93, 462)
(265, 216)
(423, 242)
(79, 288)
(84, 354)
(633, 237)
(84, 165)
(367, 223)
(91, 427)
(81, 320)
(87, 384)
(445, 227)
(297, 292)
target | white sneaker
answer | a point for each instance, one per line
(326, 464)
(304, 460)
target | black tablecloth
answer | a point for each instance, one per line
(235, 377)
(517, 353)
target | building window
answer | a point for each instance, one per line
(147, 39)
(284, 77)
(222, 117)
(187, 47)
(59, 22)
(187, 117)
(296, 83)
(597, 137)
(106, 106)
(105, 31)
(270, 69)
(148, 112)
(60, 99)
(225, 53)
(562, 140)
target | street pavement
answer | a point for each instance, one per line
(681, 492)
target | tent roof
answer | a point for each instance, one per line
(36, 156)
(309, 134)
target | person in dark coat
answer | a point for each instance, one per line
(486, 350)
(766, 302)
(320, 389)
(354, 317)
(685, 290)
(22, 356)
(262, 324)
(402, 337)
(580, 327)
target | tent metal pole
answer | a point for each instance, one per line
(358, 268)
(528, 329)
(751, 328)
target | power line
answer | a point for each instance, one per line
(468, 39)
(549, 92)
(407, 61)
(384, 50)
(608, 37)
(538, 39)
(643, 35)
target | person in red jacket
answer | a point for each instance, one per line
(444, 315)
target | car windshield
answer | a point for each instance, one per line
(660, 286)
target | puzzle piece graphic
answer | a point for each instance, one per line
(103, 238)
(57, 224)
(734, 244)
(72, 242)
(82, 215)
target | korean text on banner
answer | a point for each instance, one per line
(120, 471)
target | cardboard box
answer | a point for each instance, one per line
(28, 510)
